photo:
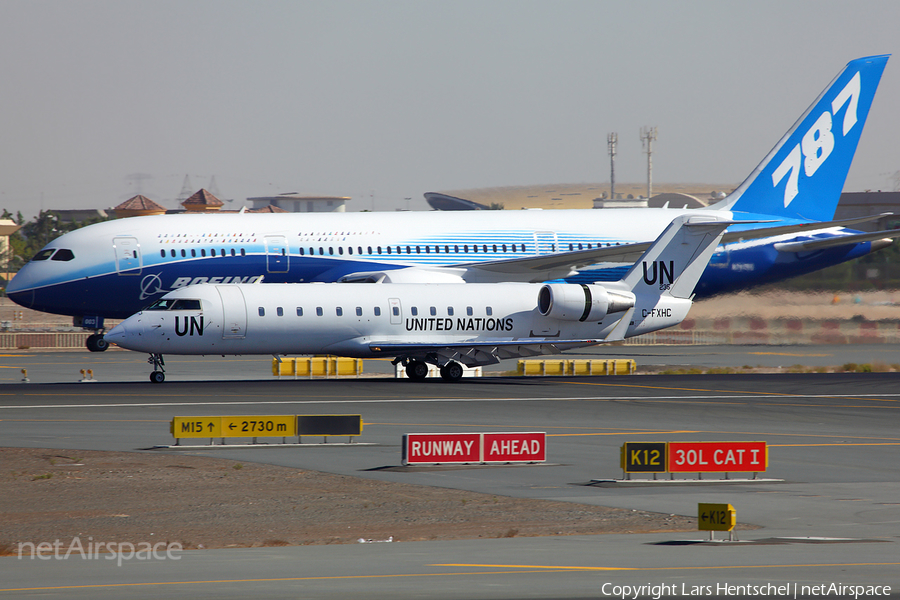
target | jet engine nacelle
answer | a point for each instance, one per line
(574, 302)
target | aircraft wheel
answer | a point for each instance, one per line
(417, 370)
(96, 343)
(157, 377)
(452, 371)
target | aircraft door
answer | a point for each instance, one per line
(545, 242)
(276, 254)
(128, 255)
(234, 312)
(396, 312)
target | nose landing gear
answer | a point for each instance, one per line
(159, 368)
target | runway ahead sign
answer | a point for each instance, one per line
(461, 448)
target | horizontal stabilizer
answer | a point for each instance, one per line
(755, 234)
(837, 241)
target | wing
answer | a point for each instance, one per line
(552, 266)
(535, 269)
(473, 354)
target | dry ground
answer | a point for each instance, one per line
(214, 503)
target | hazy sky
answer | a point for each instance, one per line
(399, 98)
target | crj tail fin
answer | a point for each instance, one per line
(673, 264)
(803, 176)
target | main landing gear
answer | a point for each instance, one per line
(159, 368)
(96, 343)
(452, 371)
(417, 370)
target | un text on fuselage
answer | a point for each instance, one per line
(192, 326)
(662, 271)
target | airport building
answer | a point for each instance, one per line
(302, 203)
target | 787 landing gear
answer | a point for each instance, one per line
(96, 343)
(159, 368)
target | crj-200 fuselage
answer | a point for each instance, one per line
(113, 269)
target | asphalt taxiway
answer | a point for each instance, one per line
(833, 519)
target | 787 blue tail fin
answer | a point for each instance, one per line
(803, 176)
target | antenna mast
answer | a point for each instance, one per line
(648, 136)
(611, 140)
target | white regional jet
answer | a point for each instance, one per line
(113, 269)
(446, 324)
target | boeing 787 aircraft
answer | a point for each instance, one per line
(113, 269)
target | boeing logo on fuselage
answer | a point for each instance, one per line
(186, 281)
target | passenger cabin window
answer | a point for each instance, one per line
(449, 311)
(299, 311)
(319, 311)
(488, 310)
(262, 311)
(279, 311)
(63, 255)
(377, 311)
(433, 311)
(339, 311)
(359, 311)
(414, 311)
(396, 310)
(469, 311)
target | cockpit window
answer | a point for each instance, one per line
(161, 304)
(175, 304)
(44, 254)
(64, 255)
(184, 304)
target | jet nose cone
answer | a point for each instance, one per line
(24, 299)
(118, 335)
